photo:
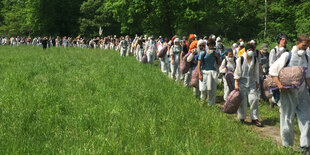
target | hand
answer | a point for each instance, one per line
(282, 89)
(171, 62)
(200, 77)
(237, 88)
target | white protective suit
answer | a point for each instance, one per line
(151, 49)
(140, 52)
(275, 54)
(124, 46)
(175, 52)
(225, 66)
(293, 101)
(248, 76)
(163, 61)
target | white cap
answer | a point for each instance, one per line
(218, 39)
(213, 37)
(253, 42)
(241, 43)
(235, 45)
(176, 40)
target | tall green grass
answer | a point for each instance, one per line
(82, 101)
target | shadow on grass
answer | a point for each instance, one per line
(270, 121)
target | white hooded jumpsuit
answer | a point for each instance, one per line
(150, 51)
(124, 46)
(294, 101)
(175, 51)
(248, 76)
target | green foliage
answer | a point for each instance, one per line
(83, 101)
(231, 19)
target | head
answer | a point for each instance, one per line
(264, 48)
(234, 46)
(177, 41)
(282, 39)
(253, 42)
(162, 40)
(201, 45)
(191, 37)
(229, 53)
(218, 39)
(241, 45)
(140, 42)
(211, 43)
(302, 42)
(249, 48)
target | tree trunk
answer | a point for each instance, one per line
(265, 31)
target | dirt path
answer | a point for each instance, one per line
(269, 131)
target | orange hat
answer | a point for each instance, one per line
(191, 36)
(193, 45)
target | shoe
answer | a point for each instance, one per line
(242, 121)
(257, 123)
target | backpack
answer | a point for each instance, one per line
(222, 74)
(242, 59)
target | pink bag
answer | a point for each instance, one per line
(229, 76)
(233, 102)
(290, 77)
(144, 59)
(162, 52)
(184, 65)
(195, 78)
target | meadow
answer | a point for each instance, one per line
(85, 101)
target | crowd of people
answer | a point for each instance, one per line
(248, 63)
(45, 42)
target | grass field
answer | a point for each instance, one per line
(82, 101)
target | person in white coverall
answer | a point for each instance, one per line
(163, 60)
(124, 46)
(175, 51)
(150, 50)
(294, 101)
(139, 48)
(247, 82)
(228, 64)
(275, 54)
(207, 72)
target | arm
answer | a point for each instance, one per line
(261, 69)
(223, 68)
(237, 85)
(256, 73)
(237, 73)
(181, 55)
(218, 59)
(277, 81)
(199, 70)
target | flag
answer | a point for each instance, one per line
(100, 31)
